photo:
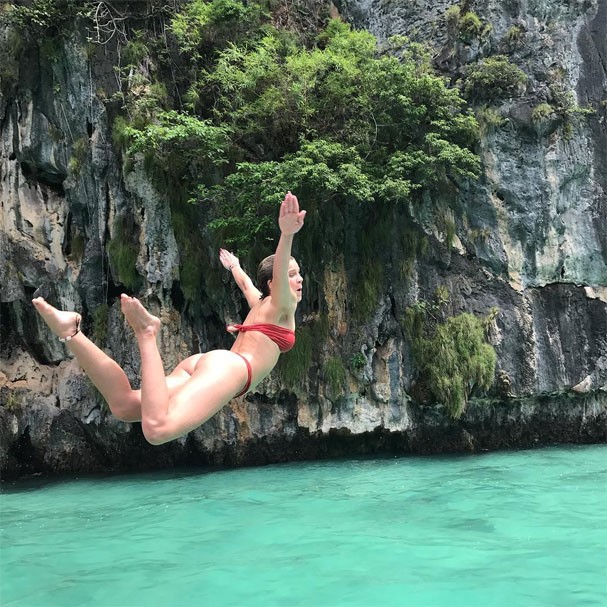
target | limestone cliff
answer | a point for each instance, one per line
(529, 239)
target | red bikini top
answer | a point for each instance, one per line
(283, 338)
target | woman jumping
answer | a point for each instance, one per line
(169, 407)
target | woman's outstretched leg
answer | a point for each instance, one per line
(212, 380)
(105, 373)
(154, 391)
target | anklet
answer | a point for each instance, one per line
(70, 337)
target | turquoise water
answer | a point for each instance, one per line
(517, 529)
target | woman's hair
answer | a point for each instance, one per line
(265, 272)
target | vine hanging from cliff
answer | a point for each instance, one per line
(451, 353)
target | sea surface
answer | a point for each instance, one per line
(511, 529)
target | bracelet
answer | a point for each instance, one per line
(233, 266)
(70, 337)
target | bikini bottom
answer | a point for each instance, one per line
(249, 376)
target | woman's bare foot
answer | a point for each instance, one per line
(63, 324)
(141, 321)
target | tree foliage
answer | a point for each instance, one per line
(212, 23)
(342, 122)
(178, 141)
(46, 17)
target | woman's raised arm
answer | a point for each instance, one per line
(290, 221)
(231, 263)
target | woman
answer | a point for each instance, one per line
(169, 407)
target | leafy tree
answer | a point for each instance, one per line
(341, 122)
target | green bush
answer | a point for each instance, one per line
(215, 22)
(493, 79)
(514, 35)
(136, 51)
(566, 108)
(278, 94)
(358, 361)
(176, 142)
(46, 17)
(11, 400)
(453, 356)
(452, 15)
(541, 112)
(470, 26)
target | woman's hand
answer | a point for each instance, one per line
(228, 260)
(290, 219)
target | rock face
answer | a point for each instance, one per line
(530, 240)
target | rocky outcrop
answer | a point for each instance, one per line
(540, 212)
(530, 240)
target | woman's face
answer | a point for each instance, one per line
(295, 279)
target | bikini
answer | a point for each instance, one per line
(283, 338)
(249, 376)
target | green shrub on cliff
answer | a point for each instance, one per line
(468, 26)
(177, 142)
(46, 17)
(493, 79)
(339, 122)
(279, 95)
(471, 27)
(541, 112)
(452, 356)
(214, 23)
